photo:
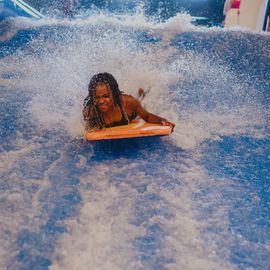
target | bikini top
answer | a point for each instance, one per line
(123, 120)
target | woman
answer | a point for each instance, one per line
(107, 106)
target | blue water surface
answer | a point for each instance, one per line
(220, 183)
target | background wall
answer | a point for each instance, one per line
(211, 9)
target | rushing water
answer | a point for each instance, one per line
(198, 199)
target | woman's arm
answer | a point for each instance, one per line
(145, 115)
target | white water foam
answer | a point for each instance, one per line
(20, 208)
(59, 94)
(103, 234)
(55, 74)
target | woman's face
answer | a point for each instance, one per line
(103, 98)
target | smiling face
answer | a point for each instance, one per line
(103, 98)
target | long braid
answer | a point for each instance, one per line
(95, 120)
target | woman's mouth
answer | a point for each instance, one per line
(103, 107)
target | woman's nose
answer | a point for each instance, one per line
(100, 100)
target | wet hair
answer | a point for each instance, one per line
(96, 120)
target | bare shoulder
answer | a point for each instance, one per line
(130, 100)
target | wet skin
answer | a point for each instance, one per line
(104, 102)
(103, 98)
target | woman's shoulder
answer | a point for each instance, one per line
(129, 101)
(128, 98)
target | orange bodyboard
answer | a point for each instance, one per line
(134, 129)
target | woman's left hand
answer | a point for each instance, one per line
(167, 123)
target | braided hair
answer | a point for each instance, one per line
(96, 119)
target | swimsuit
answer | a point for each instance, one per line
(123, 120)
(236, 4)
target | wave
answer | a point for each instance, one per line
(139, 204)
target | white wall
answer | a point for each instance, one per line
(252, 14)
(262, 14)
